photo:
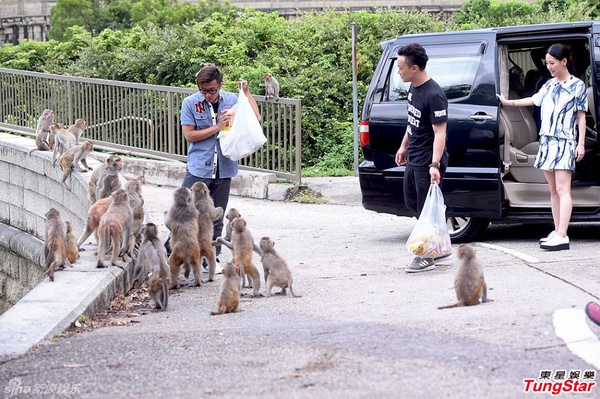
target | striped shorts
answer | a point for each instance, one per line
(555, 153)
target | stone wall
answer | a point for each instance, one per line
(29, 186)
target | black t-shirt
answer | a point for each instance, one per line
(427, 106)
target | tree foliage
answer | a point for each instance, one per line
(165, 42)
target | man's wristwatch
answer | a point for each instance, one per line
(435, 165)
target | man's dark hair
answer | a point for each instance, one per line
(414, 54)
(208, 74)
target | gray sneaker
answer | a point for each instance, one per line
(420, 265)
(448, 256)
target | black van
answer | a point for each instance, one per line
(490, 175)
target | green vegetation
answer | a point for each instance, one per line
(166, 42)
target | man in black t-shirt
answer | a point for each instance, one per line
(423, 148)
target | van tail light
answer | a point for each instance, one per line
(365, 137)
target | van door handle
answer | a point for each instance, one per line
(481, 118)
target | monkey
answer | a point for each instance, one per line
(152, 261)
(134, 189)
(182, 221)
(207, 214)
(469, 283)
(271, 87)
(112, 162)
(71, 158)
(109, 180)
(72, 250)
(43, 130)
(243, 245)
(114, 229)
(229, 295)
(55, 246)
(77, 129)
(232, 213)
(95, 213)
(64, 141)
(277, 271)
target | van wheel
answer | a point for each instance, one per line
(465, 229)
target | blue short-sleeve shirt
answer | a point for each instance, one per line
(195, 111)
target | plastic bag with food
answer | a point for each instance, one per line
(429, 238)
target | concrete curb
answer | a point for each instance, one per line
(51, 307)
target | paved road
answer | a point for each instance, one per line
(363, 328)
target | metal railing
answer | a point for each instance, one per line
(139, 118)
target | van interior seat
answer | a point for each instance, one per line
(519, 125)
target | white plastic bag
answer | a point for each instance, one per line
(245, 135)
(429, 238)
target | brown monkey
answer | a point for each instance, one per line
(182, 221)
(71, 158)
(55, 245)
(43, 130)
(232, 213)
(72, 251)
(109, 180)
(77, 129)
(134, 189)
(64, 141)
(277, 271)
(207, 214)
(97, 210)
(152, 261)
(243, 245)
(469, 283)
(114, 229)
(271, 87)
(113, 163)
(229, 295)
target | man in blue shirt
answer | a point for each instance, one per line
(203, 116)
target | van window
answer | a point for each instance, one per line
(455, 74)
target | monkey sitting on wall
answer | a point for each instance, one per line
(55, 243)
(469, 283)
(72, 250)
(42, 132)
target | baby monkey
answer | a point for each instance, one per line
(469, 283)
(229, 296)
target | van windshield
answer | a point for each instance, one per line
(455, 74)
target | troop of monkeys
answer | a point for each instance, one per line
(116, 218)
(190, 221)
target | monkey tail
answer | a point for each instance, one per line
(165, 293)
(49, 256)
(456, 305)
